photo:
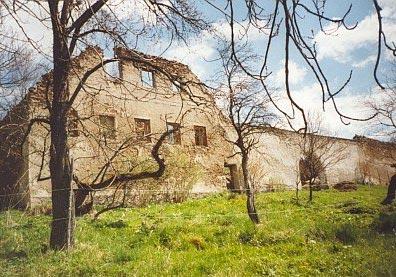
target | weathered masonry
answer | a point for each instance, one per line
(118, 118)
(114, 124)
(363, 160)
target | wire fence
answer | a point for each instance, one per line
(135, 190)
(157, 215)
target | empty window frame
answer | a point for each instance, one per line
(143, 129)
(107, 126)
(176, 86)
(175, 136)
(113, 70)
(147, 78)
(200, 136)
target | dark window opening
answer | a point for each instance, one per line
(147, 78)
(143, 129)
(73, 123)
(107, 126)
(233, 181)
(175, 136)
(200, 136)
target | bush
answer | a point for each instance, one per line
(346, 233)
(386, 223)
(181, 173)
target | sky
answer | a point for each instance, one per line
(338, 53)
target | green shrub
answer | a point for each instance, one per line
(181, 173)
(346, 233)
(386, 223)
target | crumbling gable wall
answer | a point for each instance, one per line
(274, 162)
(126, 100)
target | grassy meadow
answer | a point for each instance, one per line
(339, 234)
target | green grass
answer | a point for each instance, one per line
(336, 235)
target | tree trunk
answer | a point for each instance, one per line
(250, 201)
(63, 211)
(310, 191)
(391, 195)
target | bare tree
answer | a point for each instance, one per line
(297, 182)
(384, 105)
(286, 20)
(246, 108)
(73, 24)
(319, 153)
(18, 71)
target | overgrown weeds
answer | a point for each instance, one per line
(214, 236)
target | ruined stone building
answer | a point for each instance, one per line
(119, 116)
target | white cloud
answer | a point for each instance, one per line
(310, 99)
(363, 63)
(133, 9)
(341, 44)
(34, 26)
(203, 48)
(194, 55)
(296, 74)
(242, 31)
